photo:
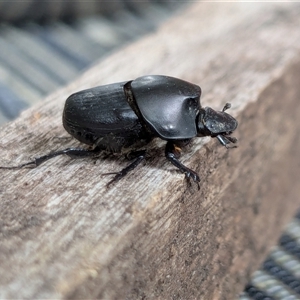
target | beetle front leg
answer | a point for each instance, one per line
(71, 152)
(172, 153)
(226, 140)
(139, 157)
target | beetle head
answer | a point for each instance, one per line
(217, 124)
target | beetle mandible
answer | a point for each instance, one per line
(129, 114)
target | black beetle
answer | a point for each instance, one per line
(129, 114)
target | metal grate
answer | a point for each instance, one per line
(37, 58)
(279, 275)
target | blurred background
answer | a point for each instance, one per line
(46, 44)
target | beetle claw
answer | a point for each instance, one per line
(116, 178)
(192, 175)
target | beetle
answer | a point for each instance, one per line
(125, 116)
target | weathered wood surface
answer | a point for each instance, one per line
(64, 235)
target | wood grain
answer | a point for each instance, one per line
(151, 236)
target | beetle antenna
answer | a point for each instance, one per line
(226, 106)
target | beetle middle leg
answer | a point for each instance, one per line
(172, 152)
(138, 157)
(71, 152)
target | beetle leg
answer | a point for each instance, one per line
(226, 140)
(71, 152)
(172, 153)
(139, 157)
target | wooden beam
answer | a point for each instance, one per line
(151, 236)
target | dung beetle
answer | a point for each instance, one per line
(122, 117)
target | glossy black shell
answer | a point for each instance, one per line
(168, 105)
(101, 116)
(118, 115)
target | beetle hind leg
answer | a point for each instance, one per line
(172, 153)
(139, 157)
(71, 152)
